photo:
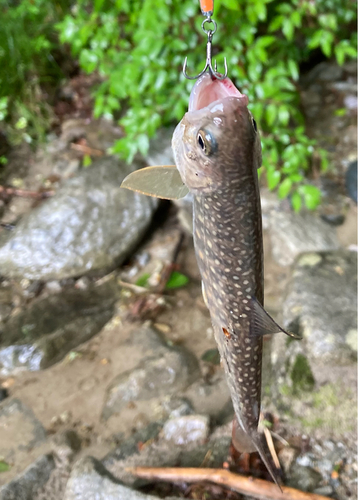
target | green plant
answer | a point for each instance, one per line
(138, 48)
(28, 41)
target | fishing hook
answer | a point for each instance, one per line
(208, 66)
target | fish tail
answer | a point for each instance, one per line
(248, 442)
(266, 457)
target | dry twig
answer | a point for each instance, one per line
(86, 150)
(25, 193)
(257, 488)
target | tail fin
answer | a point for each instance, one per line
(245, 442)
(262, 448)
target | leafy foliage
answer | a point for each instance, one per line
(27, 44)
(138, 47)
(176, 280)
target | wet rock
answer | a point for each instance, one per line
(50, 327)
(89, 480)
(90, 224)
(351, 180)
(6, 302)
(333, 219)
(292, 234)
(321, 303)
(212, 398)
(186, 429)
(185, 213)
(26, 486)
(65, 445)
(336, 464)
(303, 478)
(177, 407)
(155, 377)
(159, 452)
(20, 431)
(3, 394)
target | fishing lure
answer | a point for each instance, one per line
(207, 8)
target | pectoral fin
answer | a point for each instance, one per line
(160, 182)
(263, 324)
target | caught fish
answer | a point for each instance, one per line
(217, 152)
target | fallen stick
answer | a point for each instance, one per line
(257, 488)
(25, 193)
(86, 149)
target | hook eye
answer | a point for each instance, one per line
(209, 31)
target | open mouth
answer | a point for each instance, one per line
(208, 90)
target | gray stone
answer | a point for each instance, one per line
(30, 482)
(50, 327)
(185, 213)
(174, 370)
(303, 478)
(89, 480)
(20, 431)
(186, 429)
(292, 234)
(158, 452)
(210, 398)
(90, 224)
(321, 303)
(177, 407)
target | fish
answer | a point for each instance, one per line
(217, 152)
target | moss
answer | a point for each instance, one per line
(301, 375)
(331, 408)
(326, 397)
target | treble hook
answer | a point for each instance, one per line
(208, 65)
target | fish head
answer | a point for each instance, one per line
(217, 137)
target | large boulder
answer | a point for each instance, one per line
(169, 370)
(90, 224)
(321, 303)
(89, 480)
(292, 234)
(50, 327)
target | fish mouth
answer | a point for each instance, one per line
(208, 90)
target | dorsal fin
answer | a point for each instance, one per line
(263, 324)
(159, 181)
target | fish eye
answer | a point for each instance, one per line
(254, 124)
(206, 142)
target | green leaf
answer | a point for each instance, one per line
(283, 114)
(326, 43)
(285, 188)
(211, 356)
(293, 69)
(4, 466)
(273, 178)
(87, 161)
(177, 280)
(271, 114)
(21, 123)
(311, 195)
(296, 201)
(143, 280)
(143, 143)
(315, 41)
(288, 28)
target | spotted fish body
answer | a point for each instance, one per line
(228, 242)
(217, 152)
